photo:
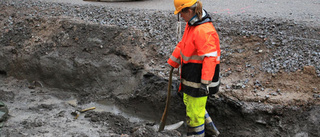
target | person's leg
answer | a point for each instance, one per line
(210, 128)
(196, 110)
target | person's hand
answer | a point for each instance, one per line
(204, 88)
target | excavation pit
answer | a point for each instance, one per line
(52, 66)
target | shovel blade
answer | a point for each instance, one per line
(173, 126)
(170, 127)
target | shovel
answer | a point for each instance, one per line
(77, 112)
(165, 113)
(179, 29)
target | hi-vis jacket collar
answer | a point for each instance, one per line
(194, 21)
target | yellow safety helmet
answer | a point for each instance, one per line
(181, 4)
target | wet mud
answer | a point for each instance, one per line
(56, 59)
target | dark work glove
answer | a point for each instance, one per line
(204, 88)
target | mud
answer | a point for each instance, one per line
(58, 58)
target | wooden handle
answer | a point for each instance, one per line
(164, 115)
(84, 110)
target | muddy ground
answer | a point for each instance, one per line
(59, 58)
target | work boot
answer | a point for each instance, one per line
(211, 131)
(210, 128)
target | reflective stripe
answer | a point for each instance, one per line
(205, 81)
(190, 84)
(207, 114)
(214, 84)
(198, 85)
(193, 20)
(196, 134)
(199, 130)
(211, 129)
(196, 57)
(193, 57)
(208, 118)
(175, 59)
(212, 54)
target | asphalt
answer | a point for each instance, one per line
(306, 11)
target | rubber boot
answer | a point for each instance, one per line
(210, 128)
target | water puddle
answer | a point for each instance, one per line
(110, 106)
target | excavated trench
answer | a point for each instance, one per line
(113, 69)
(86, 65)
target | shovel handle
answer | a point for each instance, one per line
(84, 110)
(164, 115)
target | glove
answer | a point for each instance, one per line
(204, 88)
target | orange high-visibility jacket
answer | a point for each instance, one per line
(198, 53)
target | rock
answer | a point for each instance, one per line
(3, 112)
(228, 87)
(237, 86)
(94, 118)
(73, 103)
(267, 96)
(261, 122)
(274, 94)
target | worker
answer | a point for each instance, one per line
(198, 55)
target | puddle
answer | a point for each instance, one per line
(110, 106)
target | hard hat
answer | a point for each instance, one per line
(181, 4)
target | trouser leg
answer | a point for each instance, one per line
(210, 128)
(196, 110)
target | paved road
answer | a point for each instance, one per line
(299, 10)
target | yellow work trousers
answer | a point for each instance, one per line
(196, 111)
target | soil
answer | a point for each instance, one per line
(56, 59)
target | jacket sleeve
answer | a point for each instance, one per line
(207, 44)
(174, 59)
(208, 69)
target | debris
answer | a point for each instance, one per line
(274, 94)
(77, 112)
(261, 122)
(73, 102)
(267, 96)
(3, 112)
(35, 84)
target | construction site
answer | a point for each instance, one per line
(99, 68)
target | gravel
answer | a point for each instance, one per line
(292, 44)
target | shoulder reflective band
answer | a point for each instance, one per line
(212, 54)
(196, 57)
